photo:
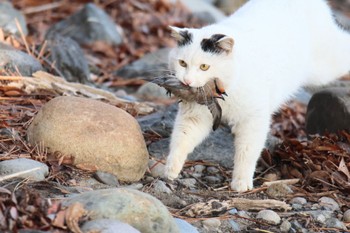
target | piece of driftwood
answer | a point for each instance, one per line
(288, 182)
(48, 83)
(216, 206)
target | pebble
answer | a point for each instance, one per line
(320, 218)
(12, 166)
(188, 182)
(271, 177)
(156, 168)
(346, 217)
(297, 206)
(278, 190)
(108, 226)
(213, 170)
(298, 227)
(269, 216)
(328, 203)
(106, 178)
(211, 224)
(199, 168)
(136, 186)
(243, 214)
(233, 211)
(160, 186)
(184, 226)
(335, 223)
(235, 225)
(212, 179)
(285, 226)
(298, 200)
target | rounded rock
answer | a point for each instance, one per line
(298, 200)
(335, 223)
(94, 133)
(346, 217)
(278, 190)
(212, 224)
(285, 226)
(108, 226)
(140, 210)
(37, 170)
(156, 168)
(185, 227)
(269, 216)
(329, 203)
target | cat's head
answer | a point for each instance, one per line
(200, 55)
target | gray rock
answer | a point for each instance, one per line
(212, 179)
(150, 90)
(320, 218)
(156, 168)
(298, 227)
(278, 190)
(269, 216)
(207, 13)
(12, 60)
(68, 58)
(108, 226)
(319, 215)
(243, 214)
(229, 6)
(185, 227)
(297, 206)
(8, 14)
(285, 226)
(188, 182)
(88, 25)
(94, 133)
(328, 203)
(199, 168)
(160, 187)
(135, 186)
(346, 217)
(211, 224)
(328, 110)
(233, 211)
(335, 223)
(138, 209)
(107, 178)
(213, 170)
(8, 167)
(298, 200)
(149, 66)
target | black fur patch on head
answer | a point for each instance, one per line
(210, 45)
(186, 38)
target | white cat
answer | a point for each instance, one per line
(263, 54)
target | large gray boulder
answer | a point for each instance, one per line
(8, 16)
(94, 133)
(140, 210)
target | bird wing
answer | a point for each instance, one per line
(216, 111)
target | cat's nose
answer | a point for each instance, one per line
(187, 82)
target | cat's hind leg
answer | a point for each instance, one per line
(192, 125)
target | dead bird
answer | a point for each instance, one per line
(206, 95)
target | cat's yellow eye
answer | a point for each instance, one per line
(204, 67)
(182, 63)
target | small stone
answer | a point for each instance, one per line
(233, 211)
(269, 216)
(328, 203)
(199, 168)
(298, 227)
(212, 224)
(346, 217)
(8, 167)
(213, 170)
(297, 206)
(278, 190)
(108, 226)
(298, 200)
(156, 168)
(285, 226)
(8, 14)
(243, 214)
(315, 206)
(107, 178)
(136, 186)
(212, 179)
(188, 182)
(335, 223)
(184, 226)
(151, 90)
(160, 186)
(271, 177)
(235, 225)
(320, 219)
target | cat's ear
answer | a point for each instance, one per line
(226, 43)
(182, 37)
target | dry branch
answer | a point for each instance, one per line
(45, 82)
(288, 182)
(216, 206)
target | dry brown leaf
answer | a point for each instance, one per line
(343, 168)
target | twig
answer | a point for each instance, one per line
(289, 181)
(45, 7)
(23, 36)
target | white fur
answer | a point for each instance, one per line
(279, 46)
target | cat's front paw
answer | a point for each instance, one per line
(171, 172)
(241, 184)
